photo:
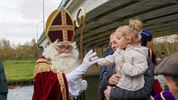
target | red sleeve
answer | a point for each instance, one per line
(37, 93)
(47, 87)
(157, 87)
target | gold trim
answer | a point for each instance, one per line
(64, 43)
(62, 85)
(43, 60)
(50, 17)
(61, 27)
(162, 95)
(48, 28)
(41, 67)
(72, 23)
(64, 31)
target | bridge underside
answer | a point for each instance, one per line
(159, 16)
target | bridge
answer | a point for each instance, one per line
(104, 16)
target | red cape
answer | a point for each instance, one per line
(47, 87)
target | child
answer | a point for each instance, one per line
(130, 58)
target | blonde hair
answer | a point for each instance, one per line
(136, 24)
(130, 31)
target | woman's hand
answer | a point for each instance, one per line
(107, 92)
(114, 79)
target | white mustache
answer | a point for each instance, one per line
(65, 55)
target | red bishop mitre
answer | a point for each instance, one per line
(60, 26)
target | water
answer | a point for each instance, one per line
(20, 93)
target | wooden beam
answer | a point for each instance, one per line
(158, 34)
(106, 8)
(154, 16)
(91, 40)
(166, 24)
(127, 12)
(102, 43)
(121, 14)
(111, 5)
(159, 12)
(103, 35)
(97, 41)
(102, 40)
(161, 19)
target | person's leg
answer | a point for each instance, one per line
(3, 97)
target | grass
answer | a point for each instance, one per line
(19, 69)
(24, 69)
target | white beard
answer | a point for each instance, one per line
(65, 62)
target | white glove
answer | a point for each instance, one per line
(89, 59)
(83, 85)
(78, 86)
(73, 77)
(74, 88)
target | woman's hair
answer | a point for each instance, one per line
(130, 31)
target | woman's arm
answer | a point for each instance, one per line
(105, 77)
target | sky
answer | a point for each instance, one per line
(22, 20)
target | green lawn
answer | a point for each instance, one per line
(19, 69)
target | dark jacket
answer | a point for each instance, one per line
(121, 94)
(3, 81)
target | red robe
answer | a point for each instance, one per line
(49, 85)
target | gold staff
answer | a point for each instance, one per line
(80, 22)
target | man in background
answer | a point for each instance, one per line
(169, 68)
(3, 84)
